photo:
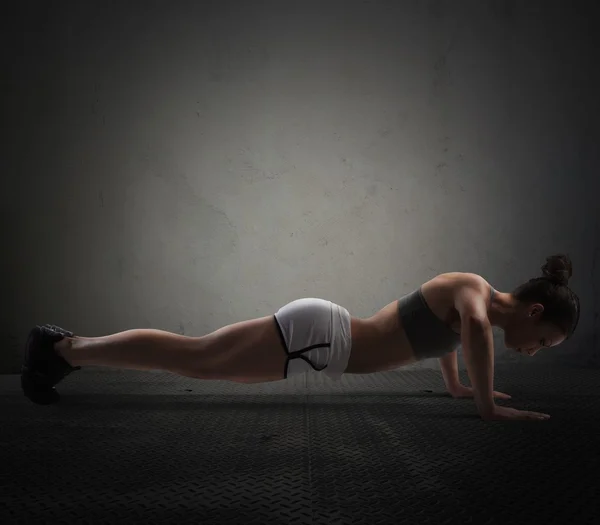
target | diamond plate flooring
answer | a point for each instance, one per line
(156, 448)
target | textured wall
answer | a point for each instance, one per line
(185, 165)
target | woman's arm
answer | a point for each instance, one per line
(478, 346)
(449, 367)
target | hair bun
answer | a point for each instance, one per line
(558, 268)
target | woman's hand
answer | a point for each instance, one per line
(462, 391)
(512, 414)
(500, 413)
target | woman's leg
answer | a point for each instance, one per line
(306, 334)
(247, 352)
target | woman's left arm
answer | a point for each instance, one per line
(449, 367)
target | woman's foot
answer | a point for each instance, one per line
(43, 367)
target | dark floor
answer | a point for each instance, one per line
(127, 447)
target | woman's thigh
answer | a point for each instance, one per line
(304, 336)
(247, 352)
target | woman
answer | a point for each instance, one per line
(450, 310)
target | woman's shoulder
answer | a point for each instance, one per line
(447, 286)
(458, 279)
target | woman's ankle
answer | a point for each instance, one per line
(64, 348)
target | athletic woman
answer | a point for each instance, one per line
(450, 310)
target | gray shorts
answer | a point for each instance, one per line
(316, 337)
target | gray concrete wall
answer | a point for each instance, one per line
(185, 165)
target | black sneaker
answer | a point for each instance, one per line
(43, 367)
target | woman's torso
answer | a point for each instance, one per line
(381, 342)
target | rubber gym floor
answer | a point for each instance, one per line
(156, 448)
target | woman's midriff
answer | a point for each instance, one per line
(379, 343)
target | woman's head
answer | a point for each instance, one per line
(547, 310)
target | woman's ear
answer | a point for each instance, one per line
(536, 309)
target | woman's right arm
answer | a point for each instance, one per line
(478, 349)
(477, 345)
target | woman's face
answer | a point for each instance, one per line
(526, 334)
